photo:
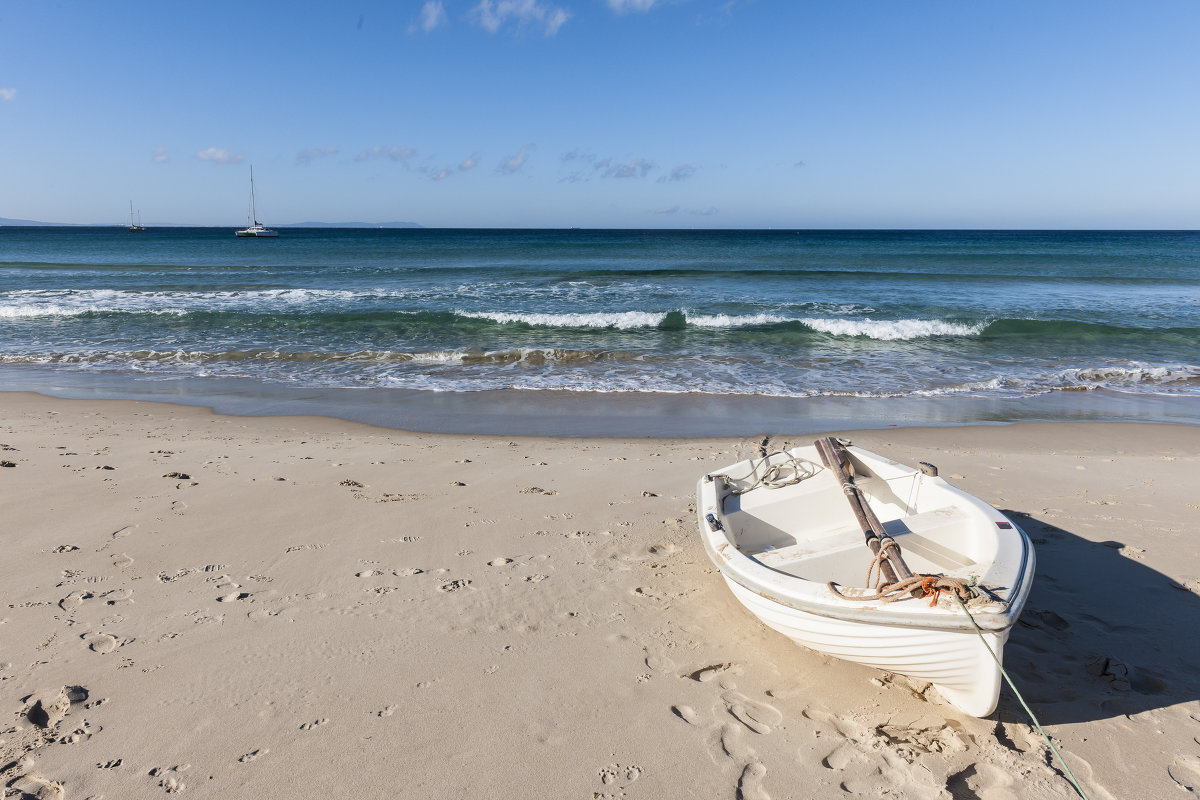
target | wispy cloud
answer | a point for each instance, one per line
(514, 163)
(469, 163)
(395, 153)
(605, 167)
(671, 210)
(679, 173)
(442, 174)
(309, 156)
(493, 16)
(637, 168)
(798, 164)
(7, 94)
(705, 212)
(159, 154)
(627, 6)
(219, 155)
(433, 15)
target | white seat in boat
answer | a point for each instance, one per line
(917, 534)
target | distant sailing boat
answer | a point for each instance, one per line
(254, 227)
(138, 227)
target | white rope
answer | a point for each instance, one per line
(788, 472)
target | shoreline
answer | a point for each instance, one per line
(514, 412)
(267, 606)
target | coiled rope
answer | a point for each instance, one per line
(931, 586)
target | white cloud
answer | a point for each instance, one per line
(7, 94)
(671, 210)
(470, 162)
(442, 174)
(514, 163)
(160, 155)
(679, 173)
(309, 156)
(706, 212)
(493, 15)
(433, 15)
(219, 155)
(394, 153)
(626, 6)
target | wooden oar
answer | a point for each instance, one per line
(892, 565)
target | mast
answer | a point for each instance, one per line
(131, 213)
(253, 214)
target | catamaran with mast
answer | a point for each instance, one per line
(138, 226)
(253, 226)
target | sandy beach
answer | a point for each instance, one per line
(283, 607)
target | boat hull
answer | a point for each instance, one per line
(955, 662)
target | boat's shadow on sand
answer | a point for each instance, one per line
(1102, 634)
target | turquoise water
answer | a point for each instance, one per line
(776, 313)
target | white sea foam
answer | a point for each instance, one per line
(737, 320)
(622, 320)
(66, 303)
(892, 330)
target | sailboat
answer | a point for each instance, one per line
(254, 227)
(138, 226)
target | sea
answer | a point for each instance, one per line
(651, 332)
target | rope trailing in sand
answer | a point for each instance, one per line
(1028, 710)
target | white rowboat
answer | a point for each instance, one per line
(780, 529)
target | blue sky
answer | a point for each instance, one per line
(604, 113)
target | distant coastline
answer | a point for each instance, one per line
(29, 223)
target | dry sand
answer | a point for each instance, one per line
(302, 607)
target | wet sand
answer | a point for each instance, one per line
(277, 607)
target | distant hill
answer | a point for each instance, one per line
(34, 224)
(30, 222)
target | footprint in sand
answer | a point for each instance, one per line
(100, 642)
(233, 597)
(253, 754)
(758, 717)
(499, 562)
(750, 784)
(615, 773)
(1185, 771)
(685, 713)
(169, 779)
(308, 726)
(659, 663)
(74, 600)
(122, 560)
(115, 596)
(36, 786)
(454, 585)
(706, 674)
(368, 573)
